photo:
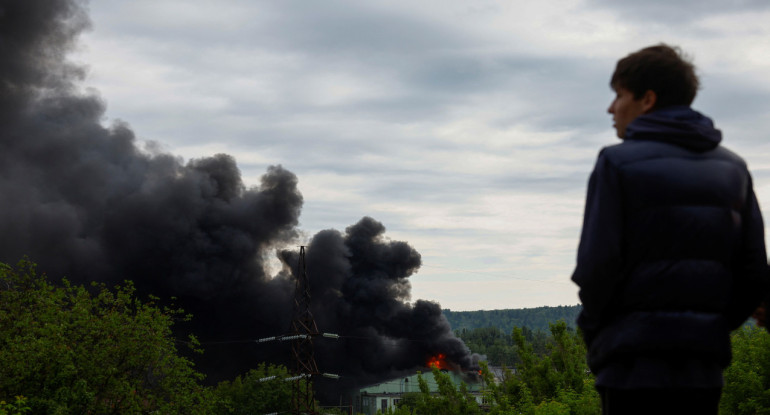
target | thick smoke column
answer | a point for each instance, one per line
(360, 288)
(83, 201)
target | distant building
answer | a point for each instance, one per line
(385, 395)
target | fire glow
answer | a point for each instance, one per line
(438, 361)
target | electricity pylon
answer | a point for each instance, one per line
(303, 326)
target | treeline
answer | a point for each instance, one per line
(534, 318)
(499, 347)
(488, 332)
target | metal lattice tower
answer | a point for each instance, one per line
(303, 326)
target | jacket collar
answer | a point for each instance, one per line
(679, 125)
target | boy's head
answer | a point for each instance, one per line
(650, 79)
(662, 69)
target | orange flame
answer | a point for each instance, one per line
(438, 361)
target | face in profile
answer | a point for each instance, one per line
(625, 108)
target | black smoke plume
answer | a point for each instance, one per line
(85, 201)
(360, 288)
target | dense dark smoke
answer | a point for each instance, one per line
(360, 288)
(84, 201)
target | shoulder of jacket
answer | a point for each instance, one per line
(729, 155)
(616, 154)
(630, 151)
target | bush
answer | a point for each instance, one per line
(71, 351)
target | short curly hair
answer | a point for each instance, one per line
(661, 68)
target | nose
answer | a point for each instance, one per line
(611, 108)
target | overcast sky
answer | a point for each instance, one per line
(468, 129)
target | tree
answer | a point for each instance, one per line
(552, 381)
(261, 390)
(449, 400)
(491, 342)
(408, 404)
(556, 380)
(503, 397)
(18, 407)
(535, 318)
(71, 351)
(747, 379)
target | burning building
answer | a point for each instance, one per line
(84, 201)
(387, 394)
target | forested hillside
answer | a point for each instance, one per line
(505, 320)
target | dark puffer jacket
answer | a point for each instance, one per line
(672, 254)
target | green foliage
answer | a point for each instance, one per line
(249, 395)
(504, 396)
(563, 368)
(747, 379)
(449, 400)
(498, 347)
(554, 382)
(552, 407)
(490, 342)
(73, 352)
(18, 407)
(408, 404)
(537, 318)
(334, 410)
(552, 377)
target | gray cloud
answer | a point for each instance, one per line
(422, 117)
(682, 12)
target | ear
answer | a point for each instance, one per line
(649, 100)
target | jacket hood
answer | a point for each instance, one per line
(678, 125)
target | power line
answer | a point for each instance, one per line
(387, 342)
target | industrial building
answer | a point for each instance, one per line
(385, 395)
